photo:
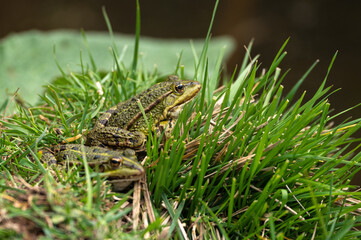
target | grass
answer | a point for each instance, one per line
(245, 161)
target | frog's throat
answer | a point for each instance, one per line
(146, 110)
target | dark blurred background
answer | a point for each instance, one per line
(317, 29)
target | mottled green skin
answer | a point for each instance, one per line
(120, 167)
(124, 125)
(94, 155)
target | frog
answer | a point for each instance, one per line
(121, 167)
(123, 128)
(124, 125)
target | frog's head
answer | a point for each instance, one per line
(122, 167)
(181, 92)
(122, 171)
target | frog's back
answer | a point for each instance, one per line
(156, 101)
(127, 115)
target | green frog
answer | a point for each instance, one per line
(123, 127)
(120, 167)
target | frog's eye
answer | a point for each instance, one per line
(115, 162)
(179, 88)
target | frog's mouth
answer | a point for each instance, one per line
(132, 178)
(126, 174)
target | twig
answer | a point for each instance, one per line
(136, 204)
(148, 203)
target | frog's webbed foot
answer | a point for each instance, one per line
(115, 137)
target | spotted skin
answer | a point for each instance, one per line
(123, 125)
(120, 167)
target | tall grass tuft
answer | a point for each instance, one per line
(244, 161)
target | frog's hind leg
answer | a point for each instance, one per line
(115, 137)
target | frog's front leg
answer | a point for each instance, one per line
(165, 128)
(115, 137)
